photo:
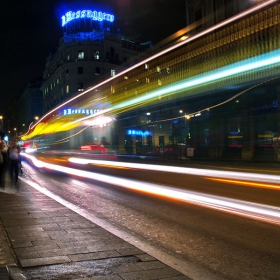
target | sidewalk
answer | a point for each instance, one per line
(42, 239)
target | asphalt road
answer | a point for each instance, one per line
(206, 241)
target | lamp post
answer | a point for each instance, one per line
(1, 119)
(2, 129)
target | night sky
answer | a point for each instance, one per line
(31, 29)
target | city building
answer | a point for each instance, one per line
(25, 108)
(202, 14)
(89, 51)
(216, 93)
(30, 105)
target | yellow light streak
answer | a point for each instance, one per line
(247, 183)
(60, 159)
(111, 166)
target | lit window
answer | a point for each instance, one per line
(57, 80)
(125, 77)
(96, 55)
(68, 56)
(80, 86)
(113, 73)
(159, 82)
(81, 55)
(67, 89)
(158, 69)
(146, 66)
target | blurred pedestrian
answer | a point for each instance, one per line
(2, 163)
(14, 160)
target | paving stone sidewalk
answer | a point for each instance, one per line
(45, 240)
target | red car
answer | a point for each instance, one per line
(99, 149)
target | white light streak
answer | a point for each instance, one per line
(256, 211)
(257, 177)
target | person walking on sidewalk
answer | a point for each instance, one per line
(3, 153)
(14, 160)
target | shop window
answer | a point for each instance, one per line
(161, 141)
(150, 140)
(138, 140)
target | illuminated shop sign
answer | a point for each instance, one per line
(67, 112)
(86, 14)
(138, 132)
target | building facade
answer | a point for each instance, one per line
(84, 58)
(179, 98)
(202, 14)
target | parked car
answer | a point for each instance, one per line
(97, 149)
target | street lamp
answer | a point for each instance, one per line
(1, 118)
(36, 118)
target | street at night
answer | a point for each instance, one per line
(200, 239)
(140, 140)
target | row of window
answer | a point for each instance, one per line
(81, 55)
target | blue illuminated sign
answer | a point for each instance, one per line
(86, 14)
(69, 111)
(138, 132)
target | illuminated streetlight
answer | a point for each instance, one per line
(36, 118)
(1, 119)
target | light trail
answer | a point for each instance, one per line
(260, 212)
(247, 184)
(256, 8)
(257, 177)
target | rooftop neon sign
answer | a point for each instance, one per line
(86, 14)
